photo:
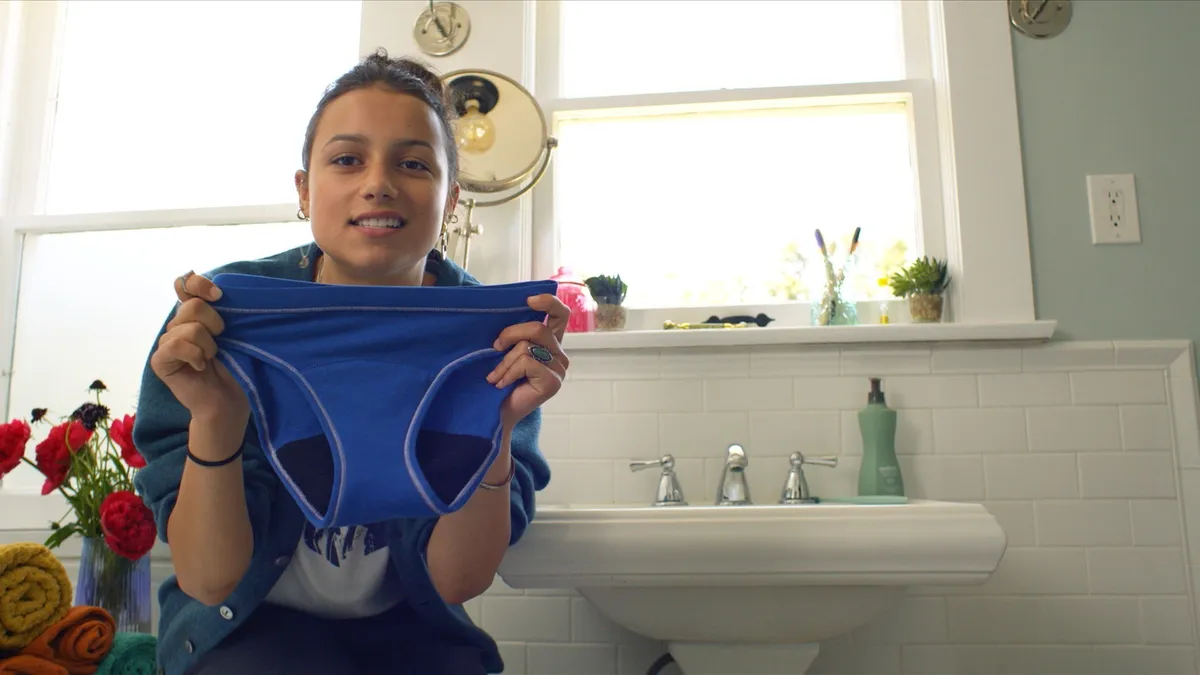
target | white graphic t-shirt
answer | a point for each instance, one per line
(339, 573)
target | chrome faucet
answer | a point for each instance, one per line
(669, 493)
(732, 489)
(795, 486)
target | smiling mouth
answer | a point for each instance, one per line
(379, 223)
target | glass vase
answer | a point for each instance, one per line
(116, 584)
(834, 306)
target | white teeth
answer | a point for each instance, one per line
(382, 223)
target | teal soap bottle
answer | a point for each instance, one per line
(880, 470)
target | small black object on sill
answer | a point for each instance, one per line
(761, 320)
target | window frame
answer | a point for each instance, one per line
(962, 89)
(31, 59)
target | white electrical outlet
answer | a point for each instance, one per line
(1112, 204)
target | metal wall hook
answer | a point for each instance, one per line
(442, 29)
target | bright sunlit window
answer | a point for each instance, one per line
(696, 203)
(724, 212)
(669, 46)
(184, 104)
(82, 316)
(179, 105)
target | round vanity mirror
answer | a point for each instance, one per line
(500, 130)
(504, 144)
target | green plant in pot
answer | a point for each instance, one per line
(609, 293)
(923, 282)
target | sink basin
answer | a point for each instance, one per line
(752, 589)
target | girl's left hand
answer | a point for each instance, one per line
(526, 342)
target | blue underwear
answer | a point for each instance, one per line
(371, 402)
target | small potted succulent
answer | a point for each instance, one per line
(923, 283)
(609, 293)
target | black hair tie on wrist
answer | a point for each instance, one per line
(210, 464)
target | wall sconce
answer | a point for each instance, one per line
(474, 97)
(504, 146)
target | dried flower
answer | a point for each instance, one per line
(97, 385)
(37, 414)
(90, 414)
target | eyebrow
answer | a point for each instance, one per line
(359, 138)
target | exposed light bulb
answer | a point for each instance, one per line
(475, 132)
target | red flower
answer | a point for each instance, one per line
(13, 437)
(53, 455)
(121, 431)
(128, 525)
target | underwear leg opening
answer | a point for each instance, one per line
(456, 435)
(300, 453)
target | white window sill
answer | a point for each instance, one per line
(813, 335)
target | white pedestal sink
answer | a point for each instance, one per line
(752, 589)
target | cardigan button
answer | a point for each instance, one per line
(226, 613)
(187, 644)
(282, 560)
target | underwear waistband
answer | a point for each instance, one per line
(242, 293)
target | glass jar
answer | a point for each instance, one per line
(832, 295)
(575, 295)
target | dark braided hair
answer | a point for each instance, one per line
(402, 75)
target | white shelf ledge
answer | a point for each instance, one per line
(813, 335)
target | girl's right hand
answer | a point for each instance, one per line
(185, 359)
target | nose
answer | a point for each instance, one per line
(378, 185)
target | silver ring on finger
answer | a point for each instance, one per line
(183, 279)
(540, 354)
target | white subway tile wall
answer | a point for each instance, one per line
(1082, 451)
(1087, 453)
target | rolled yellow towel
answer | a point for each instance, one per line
(35, 593)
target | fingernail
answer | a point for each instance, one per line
(496, 345)
(217, 293)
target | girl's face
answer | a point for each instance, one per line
(377, 189)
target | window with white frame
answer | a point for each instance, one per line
(157, 147)
(703, 145)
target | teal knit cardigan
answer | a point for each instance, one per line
(189, 628)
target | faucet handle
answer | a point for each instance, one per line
(795, 486)
(735, 457)
(667, 462)
(798, 460)
(669, 492)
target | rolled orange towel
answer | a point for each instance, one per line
(78, 642)
(24, 664)
(35, 593)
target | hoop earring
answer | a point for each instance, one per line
(300, 215)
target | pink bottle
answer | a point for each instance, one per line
(575, 295)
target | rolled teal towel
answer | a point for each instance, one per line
(131, 654)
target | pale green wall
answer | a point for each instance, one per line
(1117, 92)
